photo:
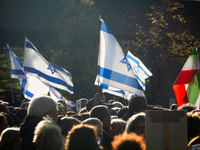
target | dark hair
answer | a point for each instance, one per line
(99, 111)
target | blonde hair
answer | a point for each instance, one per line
(47, 136)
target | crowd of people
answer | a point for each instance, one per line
(45, 124)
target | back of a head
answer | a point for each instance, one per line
(129, 141)
(117, 127)
(47, 136)
(41, 105)
(4, 109)
(8, 136)
(136, 104)
(99, 111)
(82, 137)
(67, 123)
(188, 107)
(134, 121)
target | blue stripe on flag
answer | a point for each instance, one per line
(61, 69)
(140, 80)
(17, 72)
(49, 78)
(133, 59)
(104, 28)
(29, 45)
(118, 77)
(29, 94)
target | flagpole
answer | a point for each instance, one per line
(11, 82)
(98, 67)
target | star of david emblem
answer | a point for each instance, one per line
(136, 69)
(124, 61)
(53, 70)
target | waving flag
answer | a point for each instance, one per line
(55, 94)
(16, 65)
(113, 67)
(186, 86)
(115, 91)
(30, 85)
(139, 69)
(36, 65)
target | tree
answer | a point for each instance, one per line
(76, 47)
(160, 38)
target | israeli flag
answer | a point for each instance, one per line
(139, 69)
(16, 65)
(54, 93)
(116, 91)
(36, 65)
(113, 67)
(31, 86)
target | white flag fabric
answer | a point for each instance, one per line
(117, 92)
(113, 67)
(31, 86)
(54, 93)
(139, 69)
(16, 65)
(36, 65)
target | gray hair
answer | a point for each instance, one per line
(41, 105)
(47, 136)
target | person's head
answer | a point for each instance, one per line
(117, 127)
(173, 107)
(136, 124)
(42, 106)
(102, 113)
(21, 114)
(188, 107)
(83, 102)
(3, 122)
(117, 104)
(67, 123)
(98, 124)
(129, 141)
(10, 138)
(47, 136)
(4, 108)
(82, 137)
(63, 102)
(137, 104)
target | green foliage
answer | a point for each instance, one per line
(76, 47)
(6, 82)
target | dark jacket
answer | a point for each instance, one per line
(107, 139)
(27, 132)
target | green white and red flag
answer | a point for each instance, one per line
(186, 86)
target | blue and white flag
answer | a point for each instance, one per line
(139, 69)
(31, 86)
(116, 91)
(16, 66)
(36, 65)
(55, 94)
(113, 67)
